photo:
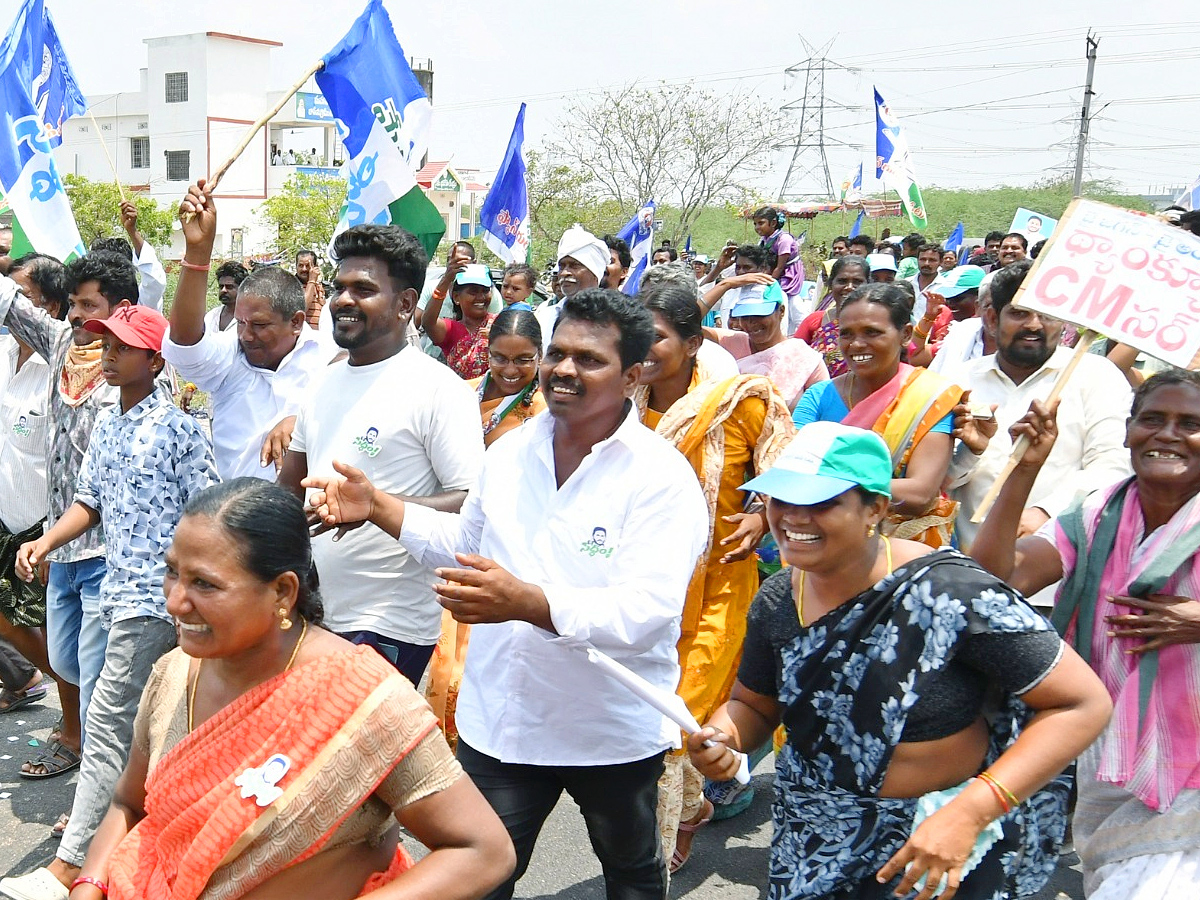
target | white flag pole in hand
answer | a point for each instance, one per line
(670, 705)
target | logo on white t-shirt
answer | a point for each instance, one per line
(369, 443)
(595, 546)
(21, 428)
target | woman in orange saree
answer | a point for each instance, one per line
(270, 757)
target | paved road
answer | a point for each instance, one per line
(729, 859)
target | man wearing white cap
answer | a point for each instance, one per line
(582, 261)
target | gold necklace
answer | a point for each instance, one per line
(191, 704)
(887, 546)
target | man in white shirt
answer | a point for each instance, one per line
(1089, 452)
(230, 275)
(24, 446)
(256, 375)
(583, 531)
(403, 418)
(929, 260)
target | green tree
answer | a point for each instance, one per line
(303, 215)
(97, 208)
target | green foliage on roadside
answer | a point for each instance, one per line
(303, 215)
(97, 208)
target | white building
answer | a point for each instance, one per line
(197, 96)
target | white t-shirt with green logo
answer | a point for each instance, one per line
(412, 426)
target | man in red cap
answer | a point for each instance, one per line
(146, 460)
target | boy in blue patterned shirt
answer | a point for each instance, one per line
(146, 459)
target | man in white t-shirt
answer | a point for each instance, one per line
(403, 418)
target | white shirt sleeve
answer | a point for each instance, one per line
(207, 362)
(154, 278)
(1107, 398)
(433, 536)
(454, 439)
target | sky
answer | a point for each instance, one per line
(988, 93)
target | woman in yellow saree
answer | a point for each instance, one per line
(726, 428)
(270, 757)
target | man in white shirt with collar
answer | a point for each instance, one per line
(151, 275)
(404, 419)
(256, 374)
(1089, 452)
(583, 530)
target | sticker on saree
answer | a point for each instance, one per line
(263, 783)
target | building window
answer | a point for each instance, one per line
(139, 153)
(177, 87)
(179, 165)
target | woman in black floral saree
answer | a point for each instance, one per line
(929, 711)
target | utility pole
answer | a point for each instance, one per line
(1093, 43)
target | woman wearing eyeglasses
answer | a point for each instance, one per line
(508, 395)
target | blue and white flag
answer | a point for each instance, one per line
(383, 118)
(504, 216)
(954, 241)
(638, 233)
(852, 188)
(38, 93)
(858, 221)
(893, 162)
(1190, 198)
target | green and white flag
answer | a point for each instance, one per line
(893, 163)
(383, 118)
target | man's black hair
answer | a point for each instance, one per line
(405, 257)
(622, 248)
(604, 306)
(115, 274)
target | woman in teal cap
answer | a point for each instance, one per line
(929, 710)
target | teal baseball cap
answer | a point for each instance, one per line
(823, 460)
(476, 273)
(757, 300)
(957, 281)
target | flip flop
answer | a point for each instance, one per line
(10, 701)
(59, 827)
(57, 758)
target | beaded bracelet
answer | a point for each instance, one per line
(94, 882)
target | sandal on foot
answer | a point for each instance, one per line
(56, 758)
(10, 701)
(37, 885)
(59, 828)
(678, 858)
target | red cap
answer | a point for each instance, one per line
(137, 326)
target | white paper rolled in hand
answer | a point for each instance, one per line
(670, 705)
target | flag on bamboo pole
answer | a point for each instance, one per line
(38, 93)
(504, 216)
(383, 118)
(893, 162)
(638, 233)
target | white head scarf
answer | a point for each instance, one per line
(583, 246)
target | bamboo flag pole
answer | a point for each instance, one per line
(107, 155)
(1086, 339)
(215, 178)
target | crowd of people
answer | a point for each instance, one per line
(365, 591)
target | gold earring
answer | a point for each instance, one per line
(870, 531)
(285, 621)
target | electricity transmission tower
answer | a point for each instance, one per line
(809, 165)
